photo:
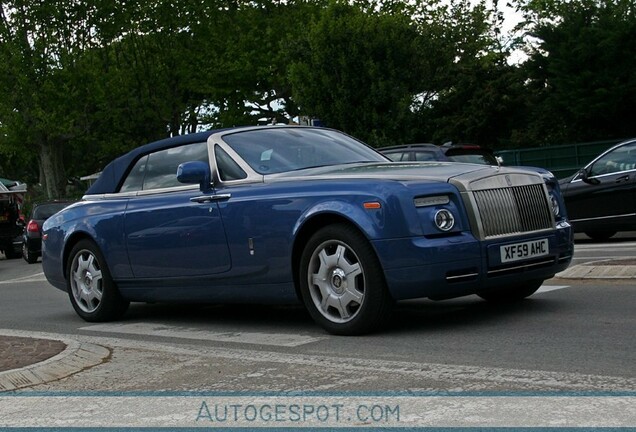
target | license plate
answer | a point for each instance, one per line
(525, 250)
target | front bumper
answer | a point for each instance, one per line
(441, 268)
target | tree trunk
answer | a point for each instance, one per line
(52, 166)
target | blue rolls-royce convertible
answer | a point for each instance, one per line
(281, 214)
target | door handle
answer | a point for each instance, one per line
(622, 178)
(209, 198)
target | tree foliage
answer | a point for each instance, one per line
(581, 81)
(84, 81)
(358, 72)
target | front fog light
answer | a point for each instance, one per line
(554, 202)
(444, 220)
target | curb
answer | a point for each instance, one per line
(75, 358)
(603, 269)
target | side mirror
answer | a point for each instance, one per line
(195, 172)
(585, 176)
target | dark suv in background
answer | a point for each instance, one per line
(448, 152)
(10, 227)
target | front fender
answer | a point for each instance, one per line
(369, 214)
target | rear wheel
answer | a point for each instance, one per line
(28, 256)
(91, 289)
(511, 294)
(342, 283)
(600, 235)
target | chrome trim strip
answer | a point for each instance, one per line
(217, 139)
(167, 190)
(209, 198)
(602, 217)
(468, 275)
(577, 179)
(133, 194)
(507, 269)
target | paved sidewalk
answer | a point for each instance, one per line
(17, 352)
(26, 359)
(602, 269)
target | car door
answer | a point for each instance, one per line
(169, 232)
(607, 199)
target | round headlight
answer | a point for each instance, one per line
(554, 202)
(444, 220)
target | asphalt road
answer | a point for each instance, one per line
(621, 246)
(572, 335)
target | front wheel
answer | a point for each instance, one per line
(511, 294)
(342, 283)
(91, 289)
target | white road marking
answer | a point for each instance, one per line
(38, 277)
(597, 258)
(162, 330)
(547, 288)
(605, 246)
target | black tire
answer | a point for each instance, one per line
(29, 256)
(91, 289)
(9, 253)
(600, 235)
(511, 294)
(353, 298)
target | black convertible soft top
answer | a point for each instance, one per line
(112, 175)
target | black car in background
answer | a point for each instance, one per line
(32, 237)
(448, 152)
(601, 197)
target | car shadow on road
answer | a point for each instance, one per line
(225, 317)
(469, 312)
(409, 316)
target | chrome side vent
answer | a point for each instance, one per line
(513, 210)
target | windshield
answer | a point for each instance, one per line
(473, 157)
(272, 151)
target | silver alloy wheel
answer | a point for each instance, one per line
(336, 281)
(86, 281)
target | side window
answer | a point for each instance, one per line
(228, 168)
(424, 156)
(621, 159)
(397, 156)
(159, 170)
(135, 179)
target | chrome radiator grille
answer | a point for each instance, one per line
(513, 210)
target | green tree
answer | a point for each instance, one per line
(252, 80)
(582, 85)
(358, 71)
(39, 110)
(473, 94)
